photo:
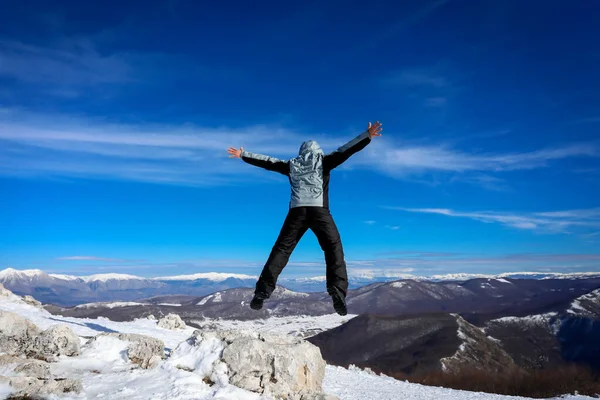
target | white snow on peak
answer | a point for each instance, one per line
(322, 278)
(504, 281)
(215, 297)
(16, 273)
(110, 277)
(398, 284)
(283, 292)
(66, 277)
(578, 305)
(454, 277)
(211, 276)
(529, 320)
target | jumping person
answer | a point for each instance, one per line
(308, 174)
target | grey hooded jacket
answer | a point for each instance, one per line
(309, 171)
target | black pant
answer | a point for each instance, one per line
(297, 222)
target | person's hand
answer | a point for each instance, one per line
(374, 129)
(235, 153)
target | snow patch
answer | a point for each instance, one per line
(300, 326)
(115, 304)
(66, 277)
(9, 273)
(529, 320)
(111, 277)
(211, 276)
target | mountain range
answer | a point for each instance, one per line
(405, 326)
(69, 290)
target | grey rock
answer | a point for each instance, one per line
(16, 333)
(33, 302)
(171, 321)
(34, 369)
(55, 341)
(145, 351)
(32, 387)
(274, 365)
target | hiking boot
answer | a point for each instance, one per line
(339, 300)
(257, 301)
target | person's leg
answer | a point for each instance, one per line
(294, 227)
(323, 225)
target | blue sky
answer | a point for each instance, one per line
(115, 119)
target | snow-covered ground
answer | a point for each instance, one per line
(301, 326)
(106, 373)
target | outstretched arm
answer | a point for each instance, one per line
(334, 159)
(259, 160)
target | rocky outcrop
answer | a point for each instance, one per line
(34, 368)
(16, 333)
(171, 321)
(275, 365)
(31, 387)
(33, 378)
(58, 340)
(24, 367)
(477, 351)
(4, 292)
(142, 350)
(32, 302)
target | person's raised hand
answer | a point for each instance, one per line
(235, 153)
(374, 129)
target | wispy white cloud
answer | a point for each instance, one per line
(483, 180)
(557, 221)
(370, 222)
(74, 62)
(74, 66)
(55, 145)
(397, 159)
(34, 145)
(392, 227)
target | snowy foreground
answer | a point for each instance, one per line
(107, 374)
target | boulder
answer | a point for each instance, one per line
(33, 387)
(171, 321)
(4, 292)
(32, 302)
(34, 369)
(274, 365)
(145, 351)
(16, 333)
(57, 340)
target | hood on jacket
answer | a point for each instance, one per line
(308, 147)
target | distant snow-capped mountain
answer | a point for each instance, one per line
(211, 276)
(70, 290)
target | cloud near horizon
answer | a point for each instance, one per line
(399, 264)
